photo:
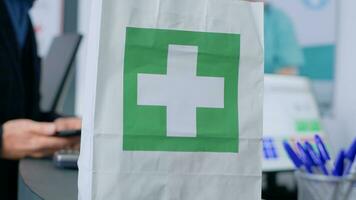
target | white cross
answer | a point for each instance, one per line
(181, 91)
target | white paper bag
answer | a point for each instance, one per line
(173, 105)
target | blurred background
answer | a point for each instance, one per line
(314, 24)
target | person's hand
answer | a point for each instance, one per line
(27, 138)
(70, 123)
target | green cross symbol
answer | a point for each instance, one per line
(180, 91)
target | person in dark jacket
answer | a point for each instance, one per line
(25, 131)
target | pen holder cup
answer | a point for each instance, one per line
(321, 187)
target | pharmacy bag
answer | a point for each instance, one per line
(173, 104)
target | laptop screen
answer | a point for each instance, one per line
(56, 69)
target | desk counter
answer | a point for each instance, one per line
(39, 179)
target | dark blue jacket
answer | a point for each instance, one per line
(19, 91)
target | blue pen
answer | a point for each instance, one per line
(339, 164)
(350, 157)
(308, 163)
(316, 159)
(323, 152)
(308, 155)
(352, 168)
(293, 155)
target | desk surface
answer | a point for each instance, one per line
(47, 182)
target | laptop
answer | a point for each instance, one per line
(57, 71)
(57, 68)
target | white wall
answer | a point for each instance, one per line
(345, 87)
(47, 17)
(314, 21)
